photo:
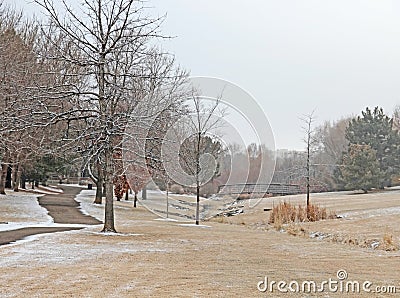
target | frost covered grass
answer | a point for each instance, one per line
(69, 248)
(163, 259)
(20, 210)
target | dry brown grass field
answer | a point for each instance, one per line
(225, 257)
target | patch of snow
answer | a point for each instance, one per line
(373, 212)
(21, 210)
(194, 225)
(77, 185)
(345, 215)
(375, 244)
(113, 234)
(166, 219)
(161, 192)
(319, 235)
(87, 207)
(40, 190)
(86, 198)
(52, 189)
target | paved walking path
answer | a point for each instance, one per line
(62, 208)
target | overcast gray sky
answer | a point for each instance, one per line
(335, 57)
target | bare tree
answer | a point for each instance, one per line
(332, 144)
(18, 138)
(105, 42)
(332, 137)
(191, 161)
(310, 142)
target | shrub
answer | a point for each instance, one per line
(286, 213)
(388, 243)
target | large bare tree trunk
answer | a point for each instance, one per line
(17, 180)
(23, 180)
(14, 170)
(3, 177)
(8, 177)
(198, 204)
(99, 185)
(99, 191)
(197, 176)
(109, 206)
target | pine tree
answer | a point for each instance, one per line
(375, 129)
(361, 168)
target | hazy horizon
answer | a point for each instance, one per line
(336, 57)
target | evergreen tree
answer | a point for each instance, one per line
(375, 129)
(361, 168)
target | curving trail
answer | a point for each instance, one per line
(62, 208)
